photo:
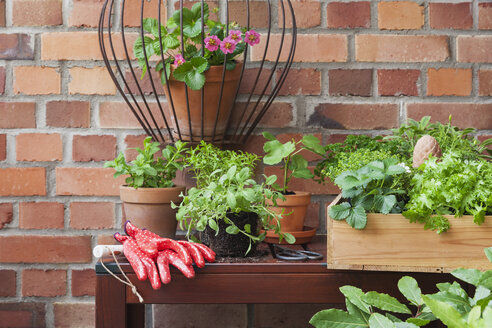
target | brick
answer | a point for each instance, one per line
(15, 115)
(117, 115)
(16, 46)
(28, 181)
(307, 13)
(47, 283)
(450, 15)
(145, 84)
(83, 13)
(37, 13)
(6, 214)
(42, 215)
(45, 249)
(2, 13)
(401, 48)
(449, 82)
(305, 81)
(33, 80)
(7, 283)
(347, 116)
(288, 315)
(279, 114)
(83, 282)
(484, 83)
(23, 314)
(74, 314)
(68, 114)
(91, 81)
(106, 240)
(309, 48)
(91, 215)
(398, 82)
(85, 181)
(2, 80)
(258, 13)
(308, 185)
(211, 6)
(171, 315)
(465, 115)
(355, 82)
(132, 15)
(132, 141)
(249, 79)
(82, 45)
(348, 14)
(3, 147)
(485, 16)
(93, 148)
(39, 147)
(474, 49)
(400, 15)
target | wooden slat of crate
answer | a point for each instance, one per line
(391, 243)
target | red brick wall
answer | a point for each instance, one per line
(362, 66)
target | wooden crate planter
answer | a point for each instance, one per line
(391, 243)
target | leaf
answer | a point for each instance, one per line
(180, 72)
(334, 318)
(276, 151)
(385, 302)
(462, 304)
(357, 217)
(356, 312)
(313, 144)
(488, 252)
(409, 287)
(302, 174)
(213, 225)
(377, 320)
(196, 10)
(445, 312)
(471, 276)
(270, 180)
(232, 230)
(268, 135)
(340, 211)
(195, 80)
(199, 63)
(384, 204)
(193, 28)
(405, 325)
(418, 321)
(355, 295)
(231, 200)
(347, 180)
(171, 41)
(289, 238)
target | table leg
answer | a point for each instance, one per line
(135, 315)
(110, 303)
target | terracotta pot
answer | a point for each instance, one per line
(296, 205)
(151, 208)
(213, 82)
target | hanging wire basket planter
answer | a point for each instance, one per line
(221, 111)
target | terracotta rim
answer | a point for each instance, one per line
(214, 73)
(151, 195)
(301, 198)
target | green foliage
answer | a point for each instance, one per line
(149, 170)
(288, 154)
(369, 189)
(165, 42)
(229, 191)
(205, 160)
(453, 186)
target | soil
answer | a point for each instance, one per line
(227, 245)
(289, 193)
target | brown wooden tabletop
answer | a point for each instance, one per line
(251, 280)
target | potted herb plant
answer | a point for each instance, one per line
(188, 64)
(292, 207)
(228, 207)
(149, 188)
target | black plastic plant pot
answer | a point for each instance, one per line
(227, 245)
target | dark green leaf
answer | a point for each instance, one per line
(355, 295)
(445, 312)
(357, 217)
(340, 211)
(195, 80)
(384, 204)
(199, 63)
(377, 320)
(385, 302)
(334, 318)
(356, 312)
(182, 71)
(418, 322)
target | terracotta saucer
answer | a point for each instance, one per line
(302, 237)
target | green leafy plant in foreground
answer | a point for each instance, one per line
(232, 191)
(451, 305)
(453, 186)
(149, 170)
(294, 164)
(368, 189)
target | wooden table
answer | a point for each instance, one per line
(259, 281)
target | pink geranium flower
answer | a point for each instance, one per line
(228, 45)
(252, 37)
(179, 60)
(235, 35)
(212, 43)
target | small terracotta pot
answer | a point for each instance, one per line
(150, 208)
(296, 205)
(213, 82)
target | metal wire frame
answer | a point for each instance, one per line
(236, 131)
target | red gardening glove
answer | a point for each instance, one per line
(142, 264)
(199, 252)
(150, 243)
(167, 257)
